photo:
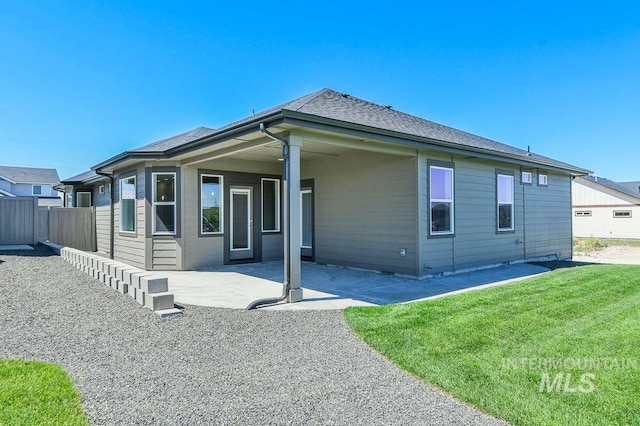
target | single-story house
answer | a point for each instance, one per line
(30, 182)
(603, 208)
(334, 179)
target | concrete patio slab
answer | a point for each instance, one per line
(15, 247)
(327, 287)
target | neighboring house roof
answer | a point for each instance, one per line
(29, 175)
(332, 108)
(633, 186)
(612, 185)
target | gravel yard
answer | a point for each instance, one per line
(614, 254)
(209, 366)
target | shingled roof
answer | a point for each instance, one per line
(175, 141)
(342, 110)
(633, 186)
(612, 185)
(29, 175)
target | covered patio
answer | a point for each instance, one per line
(328, 287)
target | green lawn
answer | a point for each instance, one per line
(38, 393)
(493, 348)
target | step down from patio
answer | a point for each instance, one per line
(146, 288)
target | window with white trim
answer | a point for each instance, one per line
(622, 213)
(211, 202)
(128, 204)
(101, 190)
(527, 177)
(83, 199)
(441, 206)
(543, 180)
(505, 202)
(37, 189)
(270, 205)
(163, 203)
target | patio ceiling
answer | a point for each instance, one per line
(317, 145)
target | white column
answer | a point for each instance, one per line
(295, 218)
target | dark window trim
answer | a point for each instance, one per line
(450, 165)
(511, 173)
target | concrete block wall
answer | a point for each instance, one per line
(149, 290)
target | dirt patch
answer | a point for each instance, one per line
(623, 255)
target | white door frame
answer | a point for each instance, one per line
(247, 193)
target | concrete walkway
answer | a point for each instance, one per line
(327, 287)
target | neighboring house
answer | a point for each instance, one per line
(30, 182)
(82, 190)
(605, 209)
(370, 187)
(90, 189)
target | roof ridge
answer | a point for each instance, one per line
(312, 96)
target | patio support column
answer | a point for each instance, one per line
(295, 217)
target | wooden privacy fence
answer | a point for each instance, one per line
(73, 227)
(23, 222)
(18, 224)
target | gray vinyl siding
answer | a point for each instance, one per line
(103, 217)
(131, 248)
(209, 250)
(165, 254)
(272, 247)
(548, 218)
(476, 242)
(365, 211)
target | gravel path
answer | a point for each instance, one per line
(209, 366)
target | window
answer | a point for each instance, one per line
(163, 207)
(37, 189)
(211, 204)
(83, 199)
(542, 180)
(583, 213)
(270, 205)
(527, 177)
(128, 204)
(622, 213)
(505, 202)
(69, 200)
(441, 200)
(101, 190)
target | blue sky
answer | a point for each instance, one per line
(83, 81)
